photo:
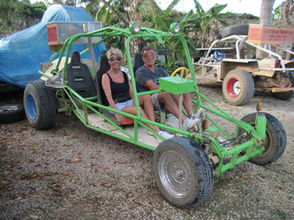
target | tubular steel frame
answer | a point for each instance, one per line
(81, 107)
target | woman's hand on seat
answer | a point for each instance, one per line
(119, 118)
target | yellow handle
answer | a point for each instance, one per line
(184, 71)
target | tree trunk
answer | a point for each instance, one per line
(266, 12)
(265, 19)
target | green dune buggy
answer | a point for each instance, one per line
(184, 166)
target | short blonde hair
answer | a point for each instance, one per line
(114, 51)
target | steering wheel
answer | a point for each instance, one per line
(182, 71)
(218, 55)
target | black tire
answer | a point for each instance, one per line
(182, 172)
(286, 95)
(238, 87)
(238, 29)
(11, 113)
(276, 139)
(40, 105)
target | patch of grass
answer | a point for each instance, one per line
(75, 179)
(187, 218)
(117, 189)
(51, 180)
(221, 212)
(130, 206)
(4, 185)
(31, 160)
(24, 175)
(216, 198)
(58, 200)
(3, 146)
(3, 181)
(48, 191)
(48, 173)
(281, 214)
(257, 199)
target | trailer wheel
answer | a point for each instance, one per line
(40, 105)
(11, 113)
(182, 172)
(276, 139)
(238, 87)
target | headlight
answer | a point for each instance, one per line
(134, 27)
(174, 27)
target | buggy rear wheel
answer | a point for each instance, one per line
(275, 142)
(40, 105)
(182, 172)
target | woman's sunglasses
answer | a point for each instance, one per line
(115, 58)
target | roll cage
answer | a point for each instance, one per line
(232, 146)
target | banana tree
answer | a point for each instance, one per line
(202, 20)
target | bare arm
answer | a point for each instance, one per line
(131, 89)
(151, 85)
(107, 90)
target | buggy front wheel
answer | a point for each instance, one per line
(182, 172)
(275, 141)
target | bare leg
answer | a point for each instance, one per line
(170, 104)
(132, 110)
(188, 104)
(146, 102)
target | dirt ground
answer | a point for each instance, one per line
(71, 172)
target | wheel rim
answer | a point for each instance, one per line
(8, 108)
(175, 174)
(267, 142)
(31, 107)
(233, 87)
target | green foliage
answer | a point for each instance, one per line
(14, 15)
(113, 12)
(195, 25)
(203, 20)
(277, 12)
(66, 2)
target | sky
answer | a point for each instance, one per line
(235, 6)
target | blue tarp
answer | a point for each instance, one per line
(22, 52)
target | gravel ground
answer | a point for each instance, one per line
(71, 172)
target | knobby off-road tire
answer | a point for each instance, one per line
(40, 105)
(238, 29)
(238, 87)
(11, 113)
(286, 95)
(182, 172)
(276, 139)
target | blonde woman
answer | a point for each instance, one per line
(118, 92)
